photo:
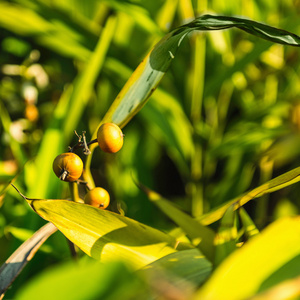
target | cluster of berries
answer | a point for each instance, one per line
(69, 166)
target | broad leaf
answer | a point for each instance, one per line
(264, 261)
(85, 280)
(105, 235)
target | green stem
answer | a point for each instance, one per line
(74, 192)
(199, 44)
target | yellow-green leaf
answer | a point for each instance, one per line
(105, 235)
(250, 229)
(201, 236)
(226, 236)
(273, 185)
(264, 261)
(185, 269)
(150, 71)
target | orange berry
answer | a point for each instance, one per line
(31, 112)
(97, 197)
(110, 137)
(68, 166)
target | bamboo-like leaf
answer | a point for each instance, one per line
(264, 261)
(273, 185)
(226, 236)
(184, 267)
(18, 260)
(201, 236)
(24, 21)
(248, 225)
(105, 235)
(148, 74)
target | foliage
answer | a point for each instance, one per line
(203, 204)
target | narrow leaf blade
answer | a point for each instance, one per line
(18, 260)
(201, 236)
(262, 262)
(273, 185)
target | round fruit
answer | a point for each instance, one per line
(110, 137)
(97, 197)
(68, 166)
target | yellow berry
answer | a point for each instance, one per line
(110, 137)
(97, 197)
(68, 166)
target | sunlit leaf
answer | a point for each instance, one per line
(148, 74)
(250, 229)
(200, 235)
(264, 261)
(287, 289)
(273, 185)
(226, 236)
(67, 115)
(105, 235)
(25, 21)
(185, 269)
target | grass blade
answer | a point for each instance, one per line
(273, 185)
(226, 236)
(261, 263)
(201, 236)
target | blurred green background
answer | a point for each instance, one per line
(225, 118)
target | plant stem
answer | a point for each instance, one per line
(196, 112)
(74, 192)
(198, 77)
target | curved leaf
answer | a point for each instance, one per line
(18, 260)
(264, 261)
(201, 236)
(148, 74)
(105, 235)
(226, 236)
(273, 185)
(187, 266)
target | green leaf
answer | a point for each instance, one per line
(148, 74)
(273, 185)
(201, 236)
(248, 225)
(185, 269)
(169, 124)
(19, 259)
(226, 236)
(47, 27)
(105, 235)
(211, 22)
(85, 280)
(67, 115)
(264, 261)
